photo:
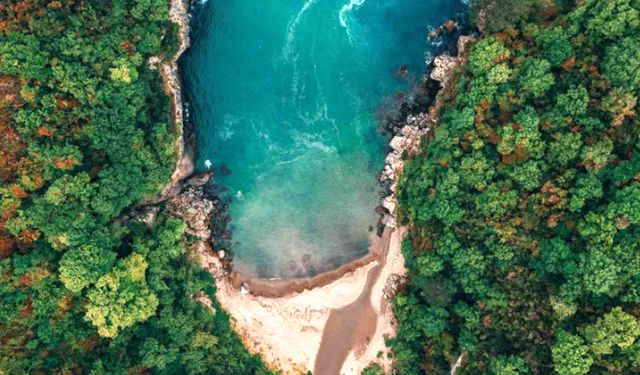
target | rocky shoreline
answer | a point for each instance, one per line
(406, 134)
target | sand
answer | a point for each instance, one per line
(317, 329)
(362, 354)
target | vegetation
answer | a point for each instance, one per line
(85, 133)
(524, 206)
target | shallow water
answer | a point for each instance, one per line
(283, 93)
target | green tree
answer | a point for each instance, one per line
(535, 77)
(570, 355)
(511, 365)
(621, 65)
(614, 329)
(611, 19)
(574, 102)
(121, 298)
(82, 266)
(556, 47)
(486, 54)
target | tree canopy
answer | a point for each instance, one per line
(86, 132)
(522, 206)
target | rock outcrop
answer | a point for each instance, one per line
(443, 66)
(403, 144)
(407, 136)
(185, 166)
(196, 209)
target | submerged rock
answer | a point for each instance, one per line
(199, 179)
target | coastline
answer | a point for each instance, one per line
(172, 83)
(298, 325)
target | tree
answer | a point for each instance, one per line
(621, 64)
(615, 328)
(556, 47)
(596, 156)
(564, 149)
(500, 14)
(535, 77)
(620, 104)
(121, 298)
(511, 365)
(486, 54)
(611, 19)
(570, 355)
(574, 102)
(82, 266)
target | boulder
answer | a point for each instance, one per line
(443, 65)
(390, 204)
(389, 221)
(450, 25)
(398, 143)
(195, 208)
(199, 179)
(463, 43)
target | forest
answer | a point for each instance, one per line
(86, 133)
(523, 207)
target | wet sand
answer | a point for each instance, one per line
(350, 327)
(275, 288)
(331, 316)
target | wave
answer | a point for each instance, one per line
(345, 10)
(293, 25)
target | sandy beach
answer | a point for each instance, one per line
(312, 327)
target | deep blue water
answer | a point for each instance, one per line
(283, 94)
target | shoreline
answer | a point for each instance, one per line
(274, 288)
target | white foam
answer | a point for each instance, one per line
(345, 10)
(291, 29)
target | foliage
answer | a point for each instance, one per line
(86, 132)
(523, 206)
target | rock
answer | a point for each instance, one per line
(397, 143)
(148, 215)
(153, 62)
(195, 208)
(481, 22)
(244, 289)
(463, 43)
(434, 34)
(443, 65)
(392, 286)
(199, 179)
(221, 254)
(450, 25)
(389, 221)
(390, 204)
(204, 299)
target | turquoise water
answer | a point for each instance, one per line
(283, 94)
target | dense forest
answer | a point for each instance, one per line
(523, 207)
(86, 133)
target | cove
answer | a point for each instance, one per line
(283, 95)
